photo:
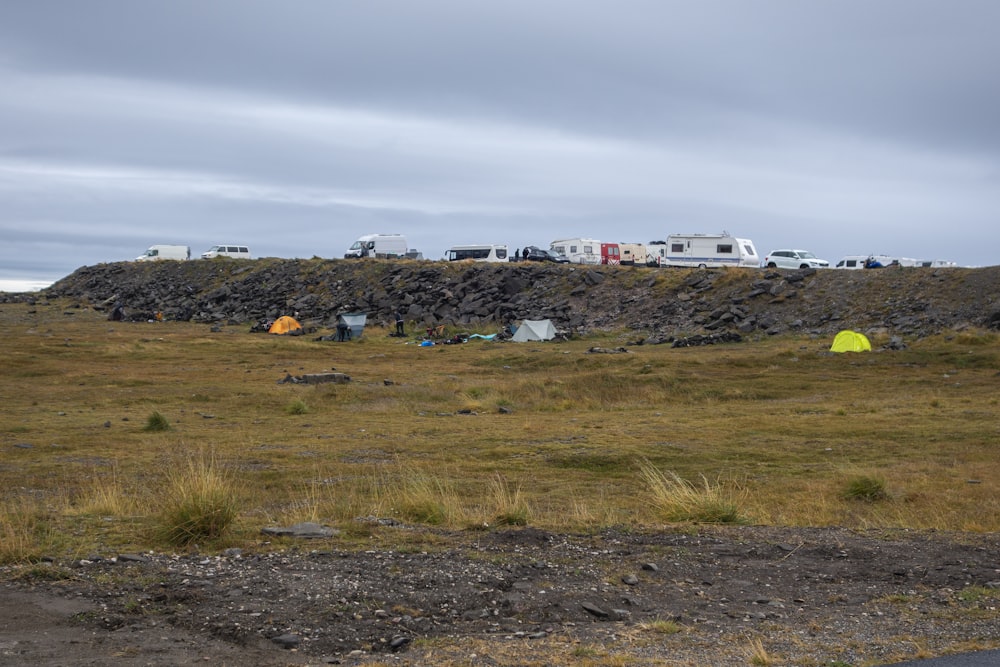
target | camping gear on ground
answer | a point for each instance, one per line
(535, 330)
(286, 325)
(351, 325)
(850, 341)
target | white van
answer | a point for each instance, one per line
(708, 250)
(578, 251)
(235, 251)
(478, 253)
(161, 251)
(633, 254)
(386, 246)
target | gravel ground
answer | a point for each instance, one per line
(707, 596)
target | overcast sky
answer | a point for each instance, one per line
(838, 126)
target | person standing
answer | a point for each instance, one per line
(400, 324)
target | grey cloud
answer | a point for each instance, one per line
(785, 121)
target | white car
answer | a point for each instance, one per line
(794, 259)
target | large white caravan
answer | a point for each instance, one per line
(478, 253)
(708, 250)
(578, 251)
(378, 245)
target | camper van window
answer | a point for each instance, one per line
(589, 249)
(724, 248)
(676, 247)
(559, 249)
(501, 253)
(749, 250)
(572, 249)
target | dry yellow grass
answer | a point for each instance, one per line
(792, 423)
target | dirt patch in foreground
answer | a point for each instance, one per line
(520, 597)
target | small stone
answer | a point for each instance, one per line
(287, 640)
(594, 610)
(132, 558)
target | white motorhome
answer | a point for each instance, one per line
(656, 253)
(709, 250)
(478, 253)
(234, 251)
(162, 251)
(632, 254)
(383, 246)
(578, 251)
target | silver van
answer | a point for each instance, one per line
(236, 251)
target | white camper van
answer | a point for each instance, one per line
(656, 253)
(235, 251)
(478, 253)
(578, 251)
(632, 254)
(709, 250)
(161, 251)
(385, 246)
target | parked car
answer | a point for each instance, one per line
(535, 254)
(794, 259)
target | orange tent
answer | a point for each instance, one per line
(286, 325)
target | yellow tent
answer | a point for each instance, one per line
(850, 341)
(286, 325)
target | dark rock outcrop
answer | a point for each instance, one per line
(660, 303)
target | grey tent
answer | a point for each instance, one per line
(535, 330)
(355, 323)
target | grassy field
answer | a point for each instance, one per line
(140, 435)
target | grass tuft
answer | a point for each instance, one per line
(758, 655)
(198, 503)
(156, 423)
(678, 500)
(510, 506)
(866, 488)
(423, 498)
(24, 529)
(662, 626)
(297, 407)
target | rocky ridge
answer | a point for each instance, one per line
(659, 304)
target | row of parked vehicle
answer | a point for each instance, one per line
(685, 250)
(164, 251)
(690, 250)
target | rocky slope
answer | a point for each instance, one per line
(656, 303)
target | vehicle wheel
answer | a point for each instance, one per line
(702, 266)
(803, 266)
(772, 265)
